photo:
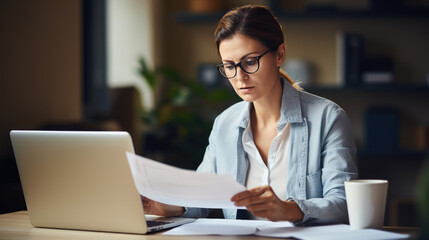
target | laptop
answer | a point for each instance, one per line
(82, 180)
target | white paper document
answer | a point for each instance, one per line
(175, 186)
(328, 232)
(204, 226)
(212, 226)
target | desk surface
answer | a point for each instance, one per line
(17, 226)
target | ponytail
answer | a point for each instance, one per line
(290, 80)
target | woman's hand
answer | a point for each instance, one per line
(161, 209)
(263, 202)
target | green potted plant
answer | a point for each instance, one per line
(178, 126)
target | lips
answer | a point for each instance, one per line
(246, 89)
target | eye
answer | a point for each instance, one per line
(250, 61)
(229, 67)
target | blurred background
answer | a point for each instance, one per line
(147, 67)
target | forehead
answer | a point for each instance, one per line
(238, 46)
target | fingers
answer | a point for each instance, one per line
(254, 196)
(156, 208)
(149, 206)
(263, 202)
(252, 201)
(249, 193)
(145, 200)
(262, 206)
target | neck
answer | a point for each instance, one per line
(266, 111)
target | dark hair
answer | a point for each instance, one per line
(256, 22)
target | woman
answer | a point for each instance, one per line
(291, 149)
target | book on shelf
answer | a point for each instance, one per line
(349, 51)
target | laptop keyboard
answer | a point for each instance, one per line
(157, 223)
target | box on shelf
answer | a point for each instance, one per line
(378, 71)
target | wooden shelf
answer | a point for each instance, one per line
(361, 14)
(371, 88)
(314, 14)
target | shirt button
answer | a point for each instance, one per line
(308, 211)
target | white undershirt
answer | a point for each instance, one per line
(276, 171)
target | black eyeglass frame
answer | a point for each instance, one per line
(239, 65)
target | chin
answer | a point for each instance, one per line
(248, 98)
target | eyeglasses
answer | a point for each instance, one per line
(248, 65)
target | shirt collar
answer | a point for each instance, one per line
(291, 105)
(290, 110)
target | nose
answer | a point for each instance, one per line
(241, 75)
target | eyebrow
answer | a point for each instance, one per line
(243, 57)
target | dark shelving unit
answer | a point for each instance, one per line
(313, 14)
(371, 88)
(340, 14)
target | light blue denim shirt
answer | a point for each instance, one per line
(322, 154)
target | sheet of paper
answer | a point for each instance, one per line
(328, 232)
(205, 226)
(302, 232)
(175, 186)
(367, 234)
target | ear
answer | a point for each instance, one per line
(281, 54)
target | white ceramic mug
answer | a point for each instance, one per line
(366, 202)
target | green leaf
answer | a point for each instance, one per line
(148, 75)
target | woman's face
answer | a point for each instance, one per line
(264, 82)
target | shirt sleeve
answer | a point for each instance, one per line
(337, 165)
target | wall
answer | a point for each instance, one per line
(186, 45)
(131, 34)
(40, 64)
